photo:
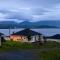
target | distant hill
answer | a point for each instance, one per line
(40, 24)
(49, 23)
(8, 24)
(57, 36)
(27, 24)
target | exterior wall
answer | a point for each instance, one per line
(32, 39)
(25, 39)
(18, 38)
(42, 39)
(21, 38)
(37, 38)
(6, 38)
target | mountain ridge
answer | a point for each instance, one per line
(27, 24)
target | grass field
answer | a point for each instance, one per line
(11, 45)
(47, 51)
(50, 55)
(19, 45)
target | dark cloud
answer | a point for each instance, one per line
(15, 15)
(39, 11)
(39, 3)
(30, 9)
(21, 15)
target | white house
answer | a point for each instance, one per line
(26, 35)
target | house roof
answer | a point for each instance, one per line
(26, 32)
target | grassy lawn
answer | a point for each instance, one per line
(11, 45)
(47, 51)
(19, 45)
(50, 55)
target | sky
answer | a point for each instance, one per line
(29, 10)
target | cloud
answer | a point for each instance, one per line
(32, 10)
(23, 13)
(19, 14)
(50, 14)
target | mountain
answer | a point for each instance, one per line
(7, 24)
(27, 24)
(49, 23)
(40, 24)
(57, 36)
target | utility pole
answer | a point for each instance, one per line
(9, 33)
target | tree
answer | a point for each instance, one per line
(2, 39)
(29, 37)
